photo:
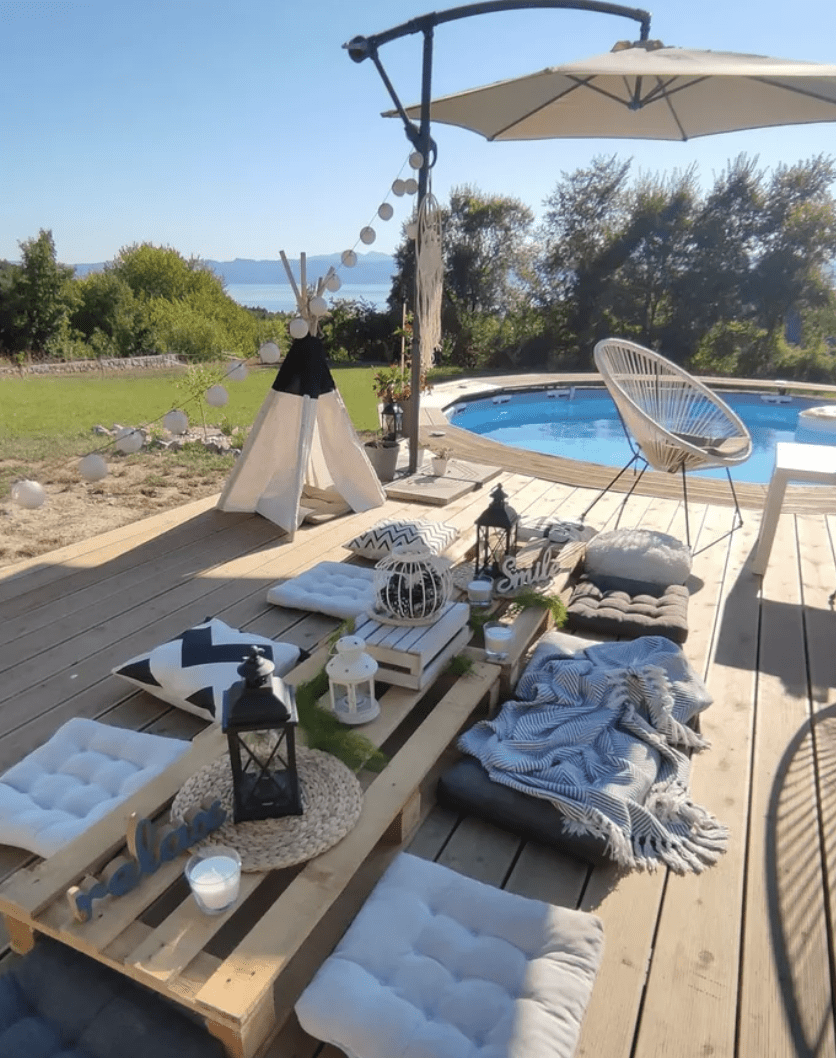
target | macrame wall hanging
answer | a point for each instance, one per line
(430, 272)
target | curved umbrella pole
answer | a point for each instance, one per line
(360, 48)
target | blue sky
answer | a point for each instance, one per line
(229, 129)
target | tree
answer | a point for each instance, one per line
(797, 236)
(485, 238)
(39, 296)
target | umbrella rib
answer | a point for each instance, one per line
(799, 91)
(579, 83)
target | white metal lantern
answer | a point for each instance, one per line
(412, 586)
(351, 673)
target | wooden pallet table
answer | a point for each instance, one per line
(242, 971)
(413, 655)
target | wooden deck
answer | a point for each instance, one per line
(737, 961)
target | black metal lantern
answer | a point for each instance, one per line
(496, 535)
(259, 718)
(391, 419)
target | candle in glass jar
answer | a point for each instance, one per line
(498, 640)
(479, 592)
(214, 875)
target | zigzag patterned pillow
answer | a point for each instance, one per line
(384, 537)
(193, 671)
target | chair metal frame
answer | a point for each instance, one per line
(673, 422)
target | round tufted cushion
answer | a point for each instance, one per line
(646, 558)
(619, 613)
(438, 964)
(333, 588)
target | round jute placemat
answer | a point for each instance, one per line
(331, 797)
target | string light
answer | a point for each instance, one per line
(128, 440)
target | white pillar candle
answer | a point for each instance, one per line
(214, 875)
(498, 640)
(479, 592)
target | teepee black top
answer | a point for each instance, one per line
(304, 371)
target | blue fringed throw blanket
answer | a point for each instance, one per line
(600, 733)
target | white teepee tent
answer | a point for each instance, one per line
(302, 452)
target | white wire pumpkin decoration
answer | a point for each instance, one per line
(411, 586)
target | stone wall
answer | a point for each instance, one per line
(79, 367)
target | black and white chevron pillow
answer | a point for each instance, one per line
(193, 671)
(384, 537)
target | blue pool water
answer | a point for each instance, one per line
(587, 427)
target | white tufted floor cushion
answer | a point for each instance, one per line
(67, 784)
(437, 965)
(333, 588)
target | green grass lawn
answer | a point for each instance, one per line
(42, 416)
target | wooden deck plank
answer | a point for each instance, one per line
(693, 947)
(786, 1003)
(629, 903)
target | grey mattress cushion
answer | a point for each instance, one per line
(597, 607)
(56, 1002)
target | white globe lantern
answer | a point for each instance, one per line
(269, 353)
(129, 440)
(412, 586)
(410, 186)
(318, 306)
(237, 371)
(398, 187)
(298, 327)
(28, 494)
(385, 211)
(368, 236)
(416, 159)
(349, 258)
(176, 421)
(333, 283)
(217, 396)
(92, 467)
(351, 673)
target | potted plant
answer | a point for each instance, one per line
(440, 459)
(383, 455)
(393, 385)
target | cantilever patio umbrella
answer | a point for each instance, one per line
(640, 90)
(644, 90)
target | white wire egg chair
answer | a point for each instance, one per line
(673, 422)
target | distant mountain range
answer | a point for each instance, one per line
(370, 268)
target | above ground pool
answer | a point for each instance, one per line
(583, 424)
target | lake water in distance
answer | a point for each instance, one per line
(278, 297)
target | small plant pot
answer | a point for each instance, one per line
(383, 456)
(440, 466)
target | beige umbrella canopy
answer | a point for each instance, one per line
(645, 90)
